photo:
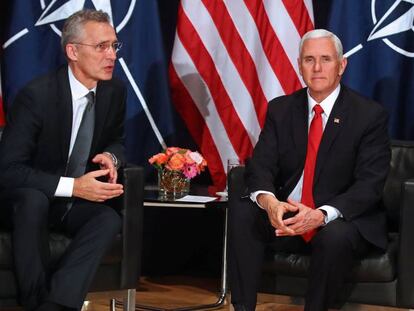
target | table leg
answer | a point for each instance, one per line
(223, 290)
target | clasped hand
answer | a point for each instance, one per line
(304, 220)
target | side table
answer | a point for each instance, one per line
(151, 199)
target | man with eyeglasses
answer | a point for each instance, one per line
(59, 156)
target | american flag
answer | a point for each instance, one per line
(230, 58)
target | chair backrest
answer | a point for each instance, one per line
(402, 168)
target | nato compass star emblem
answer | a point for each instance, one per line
(54, 11)
(50, 16)
(393, 27)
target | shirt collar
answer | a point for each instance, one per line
(77, 89)
(327, 104)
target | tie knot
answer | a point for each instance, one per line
(318, 110)
(90, 97)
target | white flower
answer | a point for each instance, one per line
(196, 157)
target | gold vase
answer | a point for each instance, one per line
(172, 185)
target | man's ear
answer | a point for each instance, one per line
(343, 64)
(71, 52)
(300, 66)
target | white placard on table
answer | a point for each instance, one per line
(196, 199)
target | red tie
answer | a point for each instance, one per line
(314, 139)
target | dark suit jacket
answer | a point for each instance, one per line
(35, 143)
(352, 162)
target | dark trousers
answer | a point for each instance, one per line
(92, 228)
(333, 250)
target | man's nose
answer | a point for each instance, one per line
(317, 65)
(111, 53)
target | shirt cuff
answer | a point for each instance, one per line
(65, 187)
(253, 196)
(331, 213)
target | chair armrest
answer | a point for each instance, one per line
(405, 286)
(132, 213)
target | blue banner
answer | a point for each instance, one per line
(379, 37)
(31, 46)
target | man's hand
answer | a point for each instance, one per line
(305, 220)
(105, 163)
(275, 210)
(88, 188)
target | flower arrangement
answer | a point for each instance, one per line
(189, 163)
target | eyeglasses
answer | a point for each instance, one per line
(103, 46)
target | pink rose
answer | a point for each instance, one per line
(172, 150)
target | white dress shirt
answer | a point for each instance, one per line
(79, 102)
(327, 104)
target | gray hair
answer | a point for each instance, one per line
(73, 27)
(322, 33)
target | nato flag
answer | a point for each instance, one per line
(379, 37)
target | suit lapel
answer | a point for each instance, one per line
(101, 110)
(333, 126)
(64, 102)
(300, 126)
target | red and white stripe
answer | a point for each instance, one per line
(230, 58)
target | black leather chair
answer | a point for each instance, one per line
(380, 278)
(119, 269)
